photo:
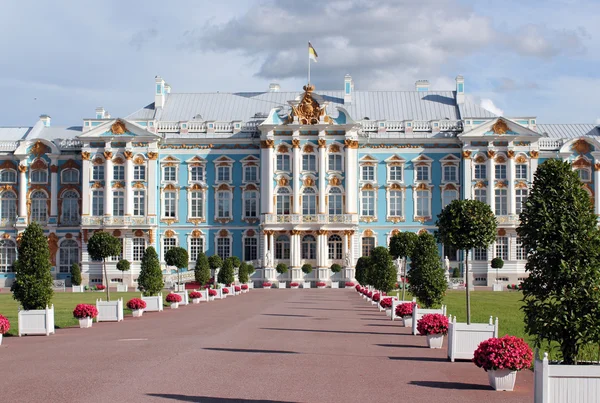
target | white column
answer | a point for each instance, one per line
(108, 177)
(491, 188)
(321, 248)
(267, 172)
(53, 187)
(351, 173)
(86, 194)
(265, 247)
(128, 184)
(295, 249)
(512, 202)
(533, 167)
(151, 195)
(23, 191)
(322, 172)
(467, 175)
(296, 166)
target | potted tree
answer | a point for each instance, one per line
(402, 247)
(202, 270)
(174, 300)
(435, 327)
(4, 327)
(150, 280)
(226, 274)
(137, 306)
(243, 276)
(179, 258)
(335, 268)
(85, 313)
(103, 245)
(497, 263)
(215, 263)
(281, 269)
(251, 270)
(76, 278)
(306, 269)
(123, 265)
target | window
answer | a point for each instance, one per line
(480, 254)
(223, 204)
(309, 201)
(521, 198)
(335, 162)
(501, 202)
(396, 173)
(450, 173)
(423, 172)
(335, 247)
(521, 171)
(98, 202)
(282, 247)
(139, 203)
(250, 248)
(170, 205)
(521, 253)
(8, 206)
(584, 174)
(39, 206)
(119, 173)
(168, 244)
(139, 248)
(500, 171)
(224, 174)
(367, 172)
(98, 173)
(448, 196)
(335, 201)
(396, 204)
(69, 176)
(480, 171)
(139, 173)
(8, 255)
(251, 204)
(283, 201)
(39, 176)
(251, 173)
(309, 162)
(423, 209)
(502, 247)
(70, 207)
(224, 247)
(169, 174)
(309, 247)
(118, 203)
(197, 204)
(196, 247)
(8, 176)
(368, 244)
(481, 195)
(283, 162)
(197, 173)
(68, 254)
(367, 201)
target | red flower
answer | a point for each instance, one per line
(83, 311)
(358, 287)
(433, 323)
(100, 287)
(173, 298)
(405, 309)
(267, 284)
(321, 284)
(386, 303)
(508, 352)
(212, 293)
(370, 294)
(294, 285)
(376, 297)
(237, 288)
(244, 286)
(4, 325)
(195, 295)
(136, 303)
(349, 284)
(225, 290)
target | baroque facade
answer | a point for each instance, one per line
(316, 177)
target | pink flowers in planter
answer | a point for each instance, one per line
(357, 288)
(244, 286)
(100, 287)
(212, 293)
(266, 284)
(349, 284)
(195, 295)
(433, 323)
(386, 303)
(294, 285)
(4, 325)
(136, 304)
(369, 294)
(405, 309)
(173, 298)
(321, 284)
(83, 311)
(225, 290)
(508, 352)
(376, 297)
(237, 288)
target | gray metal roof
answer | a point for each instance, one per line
(471, 110)
(13, 133)
(58, 132)
(568, 131)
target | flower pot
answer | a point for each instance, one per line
(407, 321)
(85, 323)
(388, 313)
(136, 313)
(435, 340)
(211, 298)
(0, 339)
(195, 300)
(502, 379)
(174, 305)
(321, 286)
(294, 287)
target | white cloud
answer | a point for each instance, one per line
(488, 104)
(597, 122)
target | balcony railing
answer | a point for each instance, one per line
(508, 219)
(310, 219)
(117, 221)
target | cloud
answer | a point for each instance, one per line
(141, 38)
(597, 122)
(506, 84)
(488, 104)
(540, 41)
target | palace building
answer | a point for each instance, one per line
(310, 176)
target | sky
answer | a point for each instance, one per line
(519, 58)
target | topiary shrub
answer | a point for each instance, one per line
(179, 258)
(226, 274)
(202, 269)
(336, 268)
(123, 265)
(456, 272)
(497, 263)
(281, 268)
(236, 261)
(215, 262)
(75, 274)
(427, 278)
(243, 273)
(383, 271)
(101, 246)
(307, 268)
(362, 270)
(150, 280)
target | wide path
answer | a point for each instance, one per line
(267, 345)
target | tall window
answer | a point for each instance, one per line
(8, 255)
(521, 198)
(223, 204)
(68, 254)
(481, 195)
(196, 246)
(480, 171)
(39, 206)
(283, 201)
(335, 201)
(502, 247)
(69, 176)
(521, 253)
(39, 176)
(251, 173)
(170, 205)
(368, 244)
(335, 247)
(335, 162)
(283, 162)
(309, 201)
(480, 254)
(139, 247)
(501, 202)
(396, 173)
(423, 173)
(396, 203)
(139, 173)
(250, 248)
(8, 176)
(224, 247)
(98, 202)
(521, 171)
(118, 172)
(139, 203)
(8, 206)
(423, 209)
(367, 201)
(251, 204)
(309, 162)
(282, 247)
(70, 207)
(448, 196)
(224, 174)
(118, 203)
(450, 173)
(98, 173)
(168, 244)
(309, 247)
(367, 173)
(197, 204)
(500, 171)
(197, 173)
(169, 174)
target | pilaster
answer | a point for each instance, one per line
(322, 172)
(108, 177)
(296, 166)
(23, 192)
(129, 182)
(85, 183)
(351, 173)
(53, 190)
(267, 172)
(491, 182)
(512, 203)
(467, 174)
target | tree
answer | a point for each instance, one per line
(251, 269)
(559, 234)
(466, 225)
(101, 246)
(362, 270)
(123, 265)
(243, 273)
(33, 281)
(202, 269)
(75, 274)
(383, 272)
(281, 268)
(306, 268)
(179, 258)
(227, 274)
(150, 280)
(236, 261)
(456, 272)
(215, 262)
(402, 246)
(497, 263)
(426, 276)
(336, 268)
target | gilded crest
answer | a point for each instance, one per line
(368, 233)
(534, 154)
(309, 148)
(295, 143)
(581, 146)
(309, 182)
(118, 128)
(108, 154)
(334, 148)
(521, 159)
(308, 111)
(351, 143)
(85, 155)
(466, 154)
(501, 232)
(223, 233)
(152, 155)
(282, 182)
(196, 233)
(128, 154)
(491, 153)
(169, 233)
(322, 143)
(267, 143)
(510, 153)
(39, 149)
(500, 127)
(282, 149)
(138, 160)
(335, 181)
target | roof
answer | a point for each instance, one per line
(57, 132)
(13, 133)
(471, 110)
(568, 131)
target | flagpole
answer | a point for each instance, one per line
(309, 66)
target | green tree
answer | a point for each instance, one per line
(281, 268)
(383, 272)
(426, 276)
(236, 261)
(179, 258)
(402, 246)
(456, 272)
(251, 269)
(123, 265)
(306, 268)
(33, 281)
(150, 280)
(227, 274)
(466, 225)
(497, 263)
(101, 246)
(363, 266)
(559, 233)
(243, 273)
(75, 274)
(215, 262)
(202, 269)
(336, 268)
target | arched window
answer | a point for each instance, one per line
(283, 201)
(69, 176)
(335, 247)
(8, 176)
(282, 247)
(8, 206)
(197, 204)
(584, 174)
(335, 201)
(39, 176)
(8, 255)
(39, 206)
(309, 201)
(309, 247)
(70, 207)
(250, 204)
(68, 254)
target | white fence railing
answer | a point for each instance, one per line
(310, 219)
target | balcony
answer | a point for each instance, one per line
(510, 219)
(310, 219)
(117, 221)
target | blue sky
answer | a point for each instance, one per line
(526, 58)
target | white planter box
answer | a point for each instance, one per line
(407, 321)
(39, 321)
(85, 323)
(418, 314)
(565, 383)
(109, 311)
(306, 284)
(282, 284)
(502, 379)
(251, 285)
(153, 304)
(204, 295)
(185, 298)
(136, 313)
(219, 293)
(388, 312)
(195, 300)
(0, 339)
(78, 288)
(174, 305)
(295, 287)
(497, 287)
(464, 339)
(122, 288)
(435, 340)
(335, 284)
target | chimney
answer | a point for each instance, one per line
(422, 85)
(274, 87)
(348, 89)
(460, 90)
(167, 88)
(45, 119)
(159, 93)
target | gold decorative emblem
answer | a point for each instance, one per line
(521, 159)
(395, 232)
(466, 154)
(150, 236)
(309, 182)
(98, 161)
(581, 146)
(322, 232)
(118, 185)
(22, 168)
(108, 154)
(422, 186)
(480, 185)
(39, 164)
(7, 165)
(267, 143)
(250, 232)
(500, 127)
(395, 186)
(152, 155)
(85, 155)
(282, 148)
(54, 168)
(295, 143)
(69, 236)
(322, 143)
(6, 235)
(479, 159)
(521, 185)
(501, 232)
(223, 186)
(309, 148)
(282, 182)
(20, 235)
(138, 160)
(97, 185)
(118, 128)
(581, 162)
(335, 181)
(138, 233)
(491, 153)
(140, 185)
(422, 230)
(351, 143)
(510, 153)
(368, 233)
(597, 166)
(169, 233)
(128, 154)
(308, 109)
(450, 187)
(500, 159)
(368, 186)
(534, 154)
(196, 233)
(223, 233)
(39, 149)
(334, 148)
(118, 160)
(500, 185)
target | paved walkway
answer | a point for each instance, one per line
(267, 345)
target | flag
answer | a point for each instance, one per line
(312, 53)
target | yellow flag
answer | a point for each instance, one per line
(312, 53)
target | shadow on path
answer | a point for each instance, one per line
(249, 350)
(332, 331)
(377, 325)
(451, 385)
(426, 359)
(330, 309)
(283, 314)
(400, 345)
(206, 399)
